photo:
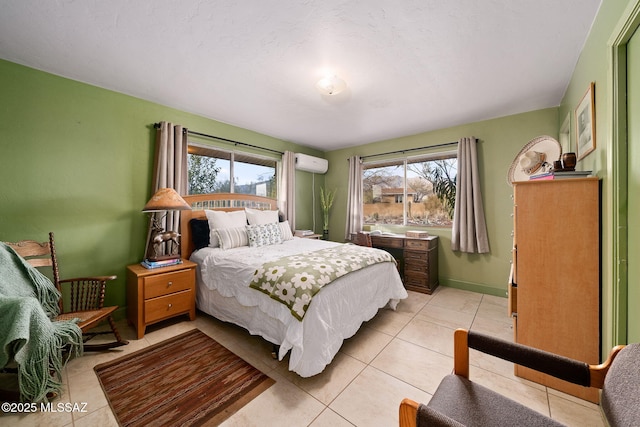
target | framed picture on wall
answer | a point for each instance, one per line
(586, 124)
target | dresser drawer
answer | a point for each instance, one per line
(167, 283)
(167, 306)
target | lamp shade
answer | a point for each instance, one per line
(166, 199)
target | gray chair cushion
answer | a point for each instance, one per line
(620, 398)
(471, 404)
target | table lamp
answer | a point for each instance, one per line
(165, 199)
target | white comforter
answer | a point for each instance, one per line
(335, 313)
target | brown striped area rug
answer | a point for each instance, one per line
(187, 380)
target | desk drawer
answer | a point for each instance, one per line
(413, 281)
(416, 265)
(387, 242)
(421, 244)
(167, 283)
(167, 306)
(415, 255)
(417, 244)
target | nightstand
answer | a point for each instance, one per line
(160, 293)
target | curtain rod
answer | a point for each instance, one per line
(157, 126)
(445, 144)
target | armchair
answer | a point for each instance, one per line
(460, 402)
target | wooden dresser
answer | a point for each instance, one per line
(556, 273)
(418, 259)
(160, 293)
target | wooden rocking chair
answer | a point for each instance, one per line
(86, 293)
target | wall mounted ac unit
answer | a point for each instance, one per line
(313, 164)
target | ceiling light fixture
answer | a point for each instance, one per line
(332, 85)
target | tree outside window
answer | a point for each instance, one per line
(210, 170)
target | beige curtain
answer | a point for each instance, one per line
(170, 167)
(469, 231)
(354, 198)
(287, 188)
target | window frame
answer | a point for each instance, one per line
(404, 161)
(211, 151)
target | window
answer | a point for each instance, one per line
(210, 170)
(410, 191)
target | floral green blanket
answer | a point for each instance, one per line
(294, 280)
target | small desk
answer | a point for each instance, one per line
(418, 259)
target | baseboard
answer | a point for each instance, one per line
(475, 287)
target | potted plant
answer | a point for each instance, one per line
(326, 200)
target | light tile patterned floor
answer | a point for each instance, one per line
(397, 354)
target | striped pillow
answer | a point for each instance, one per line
(232, 237)
(285, 230)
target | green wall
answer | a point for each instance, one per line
(77, 160)
(595, 65)
(500, 140)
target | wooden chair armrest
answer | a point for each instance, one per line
(598, 372)
(408, 413)
(461, 353)
(577, 372)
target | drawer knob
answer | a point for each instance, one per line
(169, 284)
(170, 305)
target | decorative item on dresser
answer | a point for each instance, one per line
(160, 293)
(554, 292)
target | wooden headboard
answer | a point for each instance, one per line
(218, 202)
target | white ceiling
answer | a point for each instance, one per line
(410, 65)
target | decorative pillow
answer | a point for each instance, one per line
(233, 237)
(264, 234)
(258, 217)
(221, 219)
(285, 230)
(199, 232)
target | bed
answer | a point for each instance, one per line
(228, 290)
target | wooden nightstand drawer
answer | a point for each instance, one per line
(160, 293)
(167, 306)
(167, 283)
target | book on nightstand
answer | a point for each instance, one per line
(159, 264)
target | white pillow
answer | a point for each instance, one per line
(232, 237)
(285, 230)
(264, 234)
(221, 219)
(258, 217)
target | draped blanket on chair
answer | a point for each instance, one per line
(28, 302)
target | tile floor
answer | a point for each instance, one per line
(395, 355)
